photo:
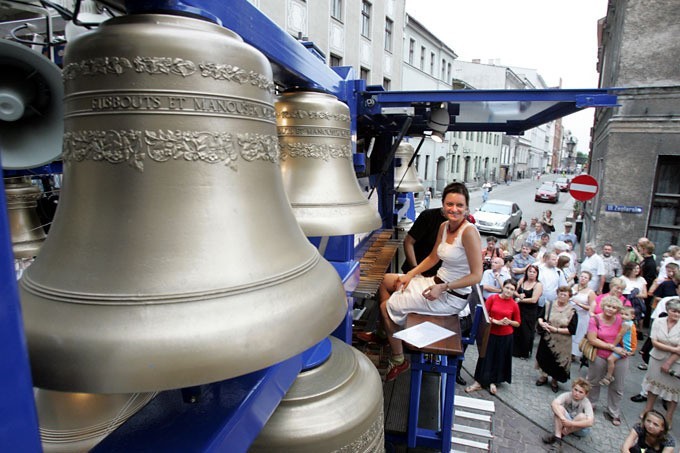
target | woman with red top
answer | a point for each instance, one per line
(496, 366)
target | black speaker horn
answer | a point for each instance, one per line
(31, 109)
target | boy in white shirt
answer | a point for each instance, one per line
(572, 413)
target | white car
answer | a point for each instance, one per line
(498, 217)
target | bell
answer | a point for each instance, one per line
(174, 258)
(76, 422)
(24, 224)
(405, 177)
(335, 407)
(316, 163)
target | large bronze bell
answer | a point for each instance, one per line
(316, 162)
(335, 407)
(24, 224)
(405, 177)
(174, 258)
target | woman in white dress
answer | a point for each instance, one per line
(583, 299)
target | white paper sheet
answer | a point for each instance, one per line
(423, 334)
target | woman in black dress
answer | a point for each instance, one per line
(529, 290)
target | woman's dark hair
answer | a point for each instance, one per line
(457, 187)
(534, 267)
(664, 433)
(511, 281)
(563, 261)
(628, 268)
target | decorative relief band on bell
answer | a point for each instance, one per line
(313, 115)
(23, 200)
(312, 131)
(315, 151)
(166, 66)
(166, 102)
(371, 441)
(134, 146)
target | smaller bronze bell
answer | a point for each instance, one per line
(406, 178)
(25, 229)
(335, 407)
(316, 164)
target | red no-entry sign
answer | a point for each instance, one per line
(583, 187)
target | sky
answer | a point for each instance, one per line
(557, 38)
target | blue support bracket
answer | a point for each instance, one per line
(227, 415)
(19, 427)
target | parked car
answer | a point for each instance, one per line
(547, 192)
(562, 184)
(498, 217)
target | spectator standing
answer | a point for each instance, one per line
(602, 332)
(572, 413)
(593, 263)
(550, 279)
(543, 246)
(490, 252)
(529, 290)
(518, 237)
(521, 262)
(649, 273)
(612, 265)
(548, 221)
(492, 279)
(634, 254)
(496, 366)
(673, 257)
(567, 234)
(557, 323)
(535, 235)
(668, 286)
(583, 299)
(664, 359)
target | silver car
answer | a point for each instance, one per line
(498, 217)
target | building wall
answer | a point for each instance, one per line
(342, 38)
(640, 51)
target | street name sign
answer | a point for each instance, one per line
(583, 187)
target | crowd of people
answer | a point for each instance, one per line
(592, 313)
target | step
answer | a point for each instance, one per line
(480, 432)
(473, 416)
(474, 403)
(470, 443)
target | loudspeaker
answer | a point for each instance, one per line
(31, 109)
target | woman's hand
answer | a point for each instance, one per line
(402, 282)
(433, 292)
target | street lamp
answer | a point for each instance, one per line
(454, 147)
(571, 144)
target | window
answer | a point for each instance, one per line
(443, 69)
(336, 9)
(366, 19)
(427, 165)
(422, 58)
(386, 83)
(664, 215)
(335, 60)
(448, 73)
(431, 63)
(388, 34)
(364, 74)
(411, 50)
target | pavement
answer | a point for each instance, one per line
(523, 413)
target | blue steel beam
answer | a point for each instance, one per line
(294, 65)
